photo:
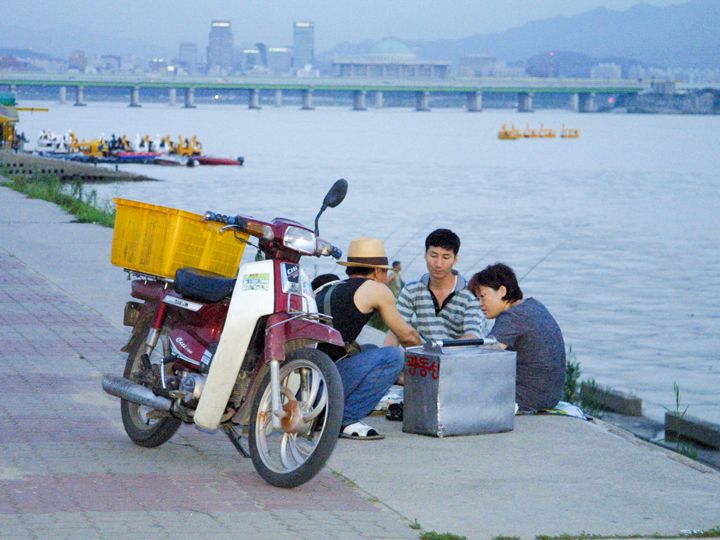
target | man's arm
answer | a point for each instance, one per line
(474, 323)
(373, 295)
(404, 306)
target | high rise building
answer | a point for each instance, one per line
(303, 44)
(188, 56)
(262, 49)
(220, 47)
(280, 60)
(606, 71)
(78, 61)
(250, 59)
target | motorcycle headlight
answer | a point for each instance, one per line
(300, 240)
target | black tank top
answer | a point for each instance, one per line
(347, 318)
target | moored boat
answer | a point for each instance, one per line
(509, 134)
(136, 157)
(210, 160)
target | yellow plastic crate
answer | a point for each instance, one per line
(158, 240)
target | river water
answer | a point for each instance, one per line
(616, 232)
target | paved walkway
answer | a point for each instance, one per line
(67, 469)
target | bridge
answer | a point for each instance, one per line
(581, 92)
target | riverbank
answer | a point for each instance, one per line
(25, 164)
(61, 311)
(80, 201)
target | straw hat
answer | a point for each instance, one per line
(366, 252)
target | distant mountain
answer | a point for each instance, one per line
(56, 40)
(25, 53)
(572, 64)
(683, 35)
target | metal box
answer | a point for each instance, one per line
(458, 391)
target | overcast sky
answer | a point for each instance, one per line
(166, 23)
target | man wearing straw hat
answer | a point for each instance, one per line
(366, 374)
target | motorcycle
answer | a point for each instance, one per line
(238, 354)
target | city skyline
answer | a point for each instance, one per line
(253, 21)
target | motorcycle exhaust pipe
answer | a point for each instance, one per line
(130, 391)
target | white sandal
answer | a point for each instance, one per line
(360, 431)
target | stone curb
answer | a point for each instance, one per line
(693, 428)
(612, 400)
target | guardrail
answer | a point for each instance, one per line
(488, 84)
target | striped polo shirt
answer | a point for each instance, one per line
(460, 314)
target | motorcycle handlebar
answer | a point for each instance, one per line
(220, 218)
(264, 231)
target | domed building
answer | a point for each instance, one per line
(390, 59)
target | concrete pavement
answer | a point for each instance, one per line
(67, 470)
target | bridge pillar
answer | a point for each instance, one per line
(278, 98)
(254, 99)
(80, 96)
(574, 102)
(379, 100)
(586, 102)
(172, 96)
(63, 95)
(189, 98)
(474, 101)
(525, 102)
(422, 100)
(359, 100)
(135, 97)
(307, 99)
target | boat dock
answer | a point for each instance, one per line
(13, 164)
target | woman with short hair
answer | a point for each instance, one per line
(526, 327)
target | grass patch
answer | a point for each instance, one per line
(432, 535)
(707, 533)
(76, 201)
(682, 446)
(572, 389)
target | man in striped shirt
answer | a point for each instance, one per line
(439, 305)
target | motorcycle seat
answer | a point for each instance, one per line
(202, 285)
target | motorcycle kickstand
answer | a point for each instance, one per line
(236, 438)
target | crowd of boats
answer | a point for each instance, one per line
(160, 150)
(512, 133)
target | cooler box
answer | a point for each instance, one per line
(458, 390)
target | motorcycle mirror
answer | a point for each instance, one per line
(334, 196)
(337, 193)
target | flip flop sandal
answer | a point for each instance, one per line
(360, 431)
(395, 412)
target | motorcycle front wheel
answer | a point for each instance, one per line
(141, 424)
(312, 398)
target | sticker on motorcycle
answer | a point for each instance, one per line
(292, 272)
(291, 278)
(256, 282)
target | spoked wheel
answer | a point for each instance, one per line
(312, 397)
(143, 425)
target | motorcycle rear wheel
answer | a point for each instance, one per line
(142, 429)
(311, 386)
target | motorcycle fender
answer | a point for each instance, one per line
(141, 317)
(253, 297)
(276, 340)
(280, 333)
